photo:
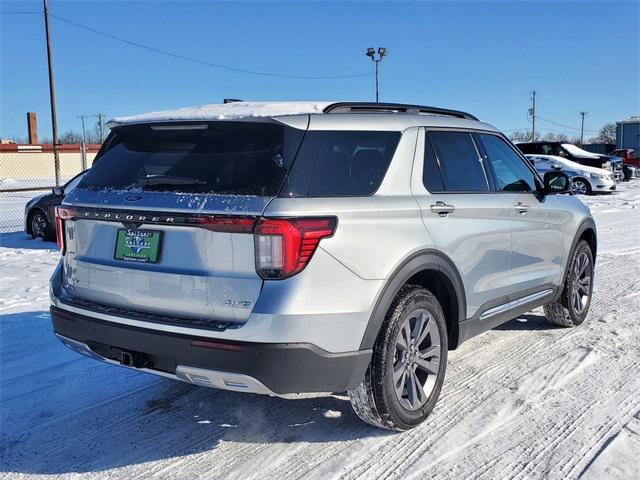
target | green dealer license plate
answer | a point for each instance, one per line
(138, 245)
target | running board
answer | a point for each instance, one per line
(505, 307)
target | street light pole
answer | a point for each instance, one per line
(382, 52)
(377, 81)
(52, 98)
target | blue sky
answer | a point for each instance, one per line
(483, 57)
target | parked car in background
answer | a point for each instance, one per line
(575, 154)
(628, 156)
(630, 163)
(39, 212)
(585, 180)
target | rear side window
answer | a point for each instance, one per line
(431, 176)
(341, 163)
(510, 173)
(235, 158)
(460, 164)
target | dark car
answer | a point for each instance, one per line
(573, 153)
(39, 212)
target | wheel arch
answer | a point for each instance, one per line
(434, 271)
(586, 231)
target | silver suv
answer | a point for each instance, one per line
(312, 247)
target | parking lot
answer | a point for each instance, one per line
(525, 400)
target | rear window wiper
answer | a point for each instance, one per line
(168, 180)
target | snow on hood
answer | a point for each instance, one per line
(225, 111)
(572, 165)
(578, 152)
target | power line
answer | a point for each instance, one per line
(204, 62)
(564, 126)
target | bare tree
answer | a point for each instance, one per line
(522, 136)
(70, 137)
(556, 137)
(607, 133)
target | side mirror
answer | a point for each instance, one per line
(556, 182)
(58, 191)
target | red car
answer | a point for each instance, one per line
(628, 156)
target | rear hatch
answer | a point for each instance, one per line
(162, 223)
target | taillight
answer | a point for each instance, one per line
(62, 214)
(59, 232)
(285, 246)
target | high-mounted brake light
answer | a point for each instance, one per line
(285, 246)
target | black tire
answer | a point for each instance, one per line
(46, 232)
(375, 400)
(564, 312)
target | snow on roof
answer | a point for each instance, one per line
(578, 152)
(632, 119)
(225, 111)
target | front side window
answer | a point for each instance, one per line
(460, 164)
(509, 171)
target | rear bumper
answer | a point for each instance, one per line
(268, 368)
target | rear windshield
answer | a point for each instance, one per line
(233, 158)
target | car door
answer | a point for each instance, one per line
(536, 220)
(467, 221)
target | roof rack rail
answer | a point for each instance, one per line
(352, 107)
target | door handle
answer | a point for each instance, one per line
(442, 208)
(521, 208)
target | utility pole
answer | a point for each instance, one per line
(52, 98)
(371, 52)
(84, 132)
(532, 112)
(582, 114)
(100, 117)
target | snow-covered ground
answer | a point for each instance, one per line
(525, 400)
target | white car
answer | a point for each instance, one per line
(586, 180)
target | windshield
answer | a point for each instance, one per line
(234, 158)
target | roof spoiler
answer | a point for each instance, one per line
(355, 107)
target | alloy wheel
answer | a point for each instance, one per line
(38, 225)
(579, 187)
(416, 359)
(581, 283)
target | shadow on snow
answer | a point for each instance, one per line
(64, 413)
(21, 239)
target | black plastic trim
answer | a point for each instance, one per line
(282, 367)
(586, 224)
(418, 262)
(475, 325)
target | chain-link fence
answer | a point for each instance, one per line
(27, 171)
